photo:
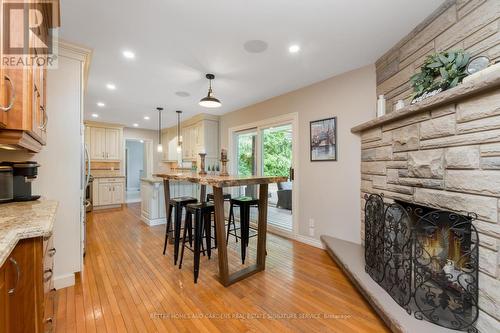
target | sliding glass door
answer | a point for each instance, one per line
(268, 150)
(276, 157)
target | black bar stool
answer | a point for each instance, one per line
(244, 203)
(177, 203)
(227, 197)
(202, 222)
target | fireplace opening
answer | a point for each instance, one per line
(425, 258)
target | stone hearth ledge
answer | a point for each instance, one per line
(21, 220)
(351, 259)
(483, 84)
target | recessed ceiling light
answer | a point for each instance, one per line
(135, 125)
(111, 86)
(255, 46)
(101, 104)
(95, 115)
(129, 54)
(141, 141)
(294, 48)
(146, 118)
(183, 94)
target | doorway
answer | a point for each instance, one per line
(269, 148)
(135, 166)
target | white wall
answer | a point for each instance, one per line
(329, 191)
(60, 174)
(135, 163)
(146, 135)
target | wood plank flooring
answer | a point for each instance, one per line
(128, 286)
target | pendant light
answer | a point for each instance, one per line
(160, 146)
(210, 101)
(179, 136)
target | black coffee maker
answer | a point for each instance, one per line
(24, 174)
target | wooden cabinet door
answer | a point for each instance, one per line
(105, 194)
(97, 143)
(113, 144)
(3, 301)
(118, 195)
(22, 275)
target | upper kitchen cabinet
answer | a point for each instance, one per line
(198, 133)
(23, 109)
(104, 142)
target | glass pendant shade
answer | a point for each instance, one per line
(160, 148)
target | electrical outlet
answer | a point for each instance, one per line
(311, 223)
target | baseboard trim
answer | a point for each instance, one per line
(310, 241)
(64, 281)
(154, 222)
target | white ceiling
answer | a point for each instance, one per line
(177, 41)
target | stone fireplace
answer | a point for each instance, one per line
(444, 153)
(426, 259)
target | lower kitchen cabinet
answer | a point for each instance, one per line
(25, 286)
(108, 192)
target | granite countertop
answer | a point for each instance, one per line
(20, 220)
(221, 181)
(108, 176)
(152, 180)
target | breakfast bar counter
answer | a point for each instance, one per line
(218, 183)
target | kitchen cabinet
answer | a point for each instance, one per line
(23, 110)
(25, 286)
(108, 192)
(97, 143)
(3, 301)
(113, 143)
(105, 143)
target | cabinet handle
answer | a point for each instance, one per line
(52, 252)
(47, 274)
(13, 96)
(45, 120)
(18, 275)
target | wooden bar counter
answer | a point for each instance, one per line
(218, 183)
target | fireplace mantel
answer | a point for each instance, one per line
(462, 91)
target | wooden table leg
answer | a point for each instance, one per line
(220, 229)
(224, 278)
(262, 227)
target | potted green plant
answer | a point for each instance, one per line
(439, 72)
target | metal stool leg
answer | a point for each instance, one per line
(187, 225)
(197, 240)
(208, 233)
(168, 228)
(177, 231)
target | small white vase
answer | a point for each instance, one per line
(381, 106)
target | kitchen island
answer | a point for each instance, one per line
(218, 183)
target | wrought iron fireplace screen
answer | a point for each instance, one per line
(426, 259)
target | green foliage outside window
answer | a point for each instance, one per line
(277, 151)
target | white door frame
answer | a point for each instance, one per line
(290, 118)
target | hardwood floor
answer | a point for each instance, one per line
(128, 286)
